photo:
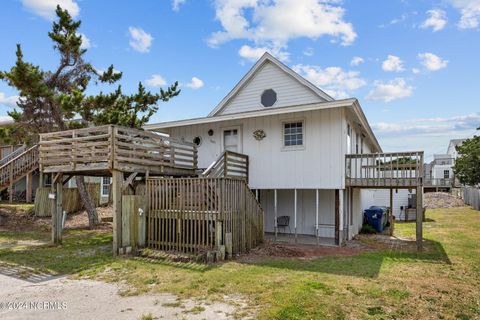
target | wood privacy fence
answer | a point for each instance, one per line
(197, 215)
(471, 196)
(71, 201)
(98, 150)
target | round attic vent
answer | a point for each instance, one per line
(269, 97)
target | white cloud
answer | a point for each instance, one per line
(470, 13)
(176, 4)
(140, 40)
(429, 125)
(46, 8)
(393, 64)
(389, 91)
(86, 43)
(309, 51)
(333, 80)
(195, 84)
(9, 101)
(415, 71)
(274, 23)
(253, 54)
(156, 81)
(432, 62)
(437, 20)
(5, 120)
(356, 61)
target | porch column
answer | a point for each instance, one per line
(295, 215)
(275, 210)
(56, 208)
(316, 215)
(117, 181)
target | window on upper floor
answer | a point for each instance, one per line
(268, 98)
(293, 134)
(446, 174)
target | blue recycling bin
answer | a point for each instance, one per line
(375, 217)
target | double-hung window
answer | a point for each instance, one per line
(293, 134)
(106, 186)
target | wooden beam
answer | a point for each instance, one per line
(68, 179)
(337, 217)
(419, 221)
(29, 191)
(117, 182)
(57, 212)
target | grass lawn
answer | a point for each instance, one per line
(443, 282)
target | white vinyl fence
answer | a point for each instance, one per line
(471, 196)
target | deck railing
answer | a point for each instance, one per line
(18, 166)
(194, 215)
(229, 165)
(100, 149)
(399, 169)
(437, 182)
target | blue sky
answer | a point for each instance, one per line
(414, 65)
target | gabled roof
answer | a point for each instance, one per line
(253, 71)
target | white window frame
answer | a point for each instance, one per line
(446, 172)
(296, 147)
(240, 137)
(102, 184)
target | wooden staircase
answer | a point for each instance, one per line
(17, 166)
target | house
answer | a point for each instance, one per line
(297, 139)
(440, 175)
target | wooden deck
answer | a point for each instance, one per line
(384, 170)
(98, 150)
(229, 165)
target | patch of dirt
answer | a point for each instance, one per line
(20, 220)
(79, 220)
(433, 200)
(271, 249)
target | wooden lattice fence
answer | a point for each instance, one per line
(196, 215)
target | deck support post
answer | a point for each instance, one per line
(57, 214)
(316, 216)
(419, 219)
(338, 218)
(295, 216)
(28, 193)
(276, 212)
(117, 183)
(10, 188)
(390, 216)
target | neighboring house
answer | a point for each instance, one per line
(439, 175)
(296, 137)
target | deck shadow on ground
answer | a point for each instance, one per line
(364, 265)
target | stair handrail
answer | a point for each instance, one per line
(20, 155)
(12, 154)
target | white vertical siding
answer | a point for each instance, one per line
(289, 91)
(381, 197)
(306, 210)
(320, 164)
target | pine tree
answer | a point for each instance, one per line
(50, 100)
